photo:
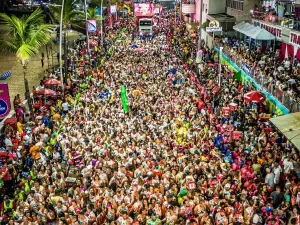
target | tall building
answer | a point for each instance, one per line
(240, 9)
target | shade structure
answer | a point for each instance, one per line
(139, 50)
(238, 26)
(260, 34)
(52, 82)
(46, 92)
(254, 96)
(289, 126)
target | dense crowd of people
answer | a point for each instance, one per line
(281, 78)
(180, 155)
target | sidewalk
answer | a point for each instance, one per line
(34, 71)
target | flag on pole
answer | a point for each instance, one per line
(237, 76)
(124, 99)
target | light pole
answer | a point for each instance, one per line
(200, 24)
(220, 66)
(87, 30)
(60, 41)
(101, 25)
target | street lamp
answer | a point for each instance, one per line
(87, 30)
(220, 65)
(101, 27)
(60, 42)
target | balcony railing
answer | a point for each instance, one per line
(291, 22)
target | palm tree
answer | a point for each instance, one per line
(71, 13)
(26, 36)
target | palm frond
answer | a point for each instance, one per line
(40, 37)
(7, 46)
(35, 18)
(25, 52)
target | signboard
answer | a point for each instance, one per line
(214, 26)
(247, 69)
(199, 56)
(188, 8)
(276, 31)
(92, 27)
(4, 101)
(213, 29)
(113, 9)
(295, 38)
(143, 9)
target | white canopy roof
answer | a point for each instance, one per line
(238, 26)
(261, 34)
(253, 31)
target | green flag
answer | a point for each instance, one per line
(238, 76)
(124, 99)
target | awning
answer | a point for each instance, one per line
(238, 26)
(289, 126)
(261, 34)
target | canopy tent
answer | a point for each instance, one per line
(238, 26)
(289, 126)
(247, 29)
(260, 34)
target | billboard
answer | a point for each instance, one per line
(141, 9)
(4, 101)
(188, 8)
(92, 27)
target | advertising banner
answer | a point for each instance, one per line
(92, 27)
(188, 8)
(4, 101)
(295, 38)
(143, 9)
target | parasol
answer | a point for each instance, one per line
(52, 82)
(46, 92)
(254, 96)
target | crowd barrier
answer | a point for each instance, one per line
(273, 104)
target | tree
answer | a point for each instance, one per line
(97, 3)
(71, 13)
(26, 36)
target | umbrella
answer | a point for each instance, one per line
(46, 92)
(139, 50)
(51, 82)
(254, 96)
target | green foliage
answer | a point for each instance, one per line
(97, 3)
(26, 35)
(71, 13)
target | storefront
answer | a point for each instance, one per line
(290, 39)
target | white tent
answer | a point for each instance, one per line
(260, 34)
(247, 29)
(238, 26)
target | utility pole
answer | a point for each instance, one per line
(87, 30)
(200, 24)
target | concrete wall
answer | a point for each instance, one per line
(245, 14)
(217, 6)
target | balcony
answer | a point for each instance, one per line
(288, 21)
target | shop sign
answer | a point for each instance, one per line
(295, 38)
(276, 31)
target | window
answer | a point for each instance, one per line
(145, 23)
(235, 4)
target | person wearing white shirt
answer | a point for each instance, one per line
(287, 165)
(276, 171)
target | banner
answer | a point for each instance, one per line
(113, 9)
(92, 27)
(247, 69)
(4, 101)
(124, 99)
(143, 9)
(199, 56)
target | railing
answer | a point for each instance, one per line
(287, 22)
(290, 102)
